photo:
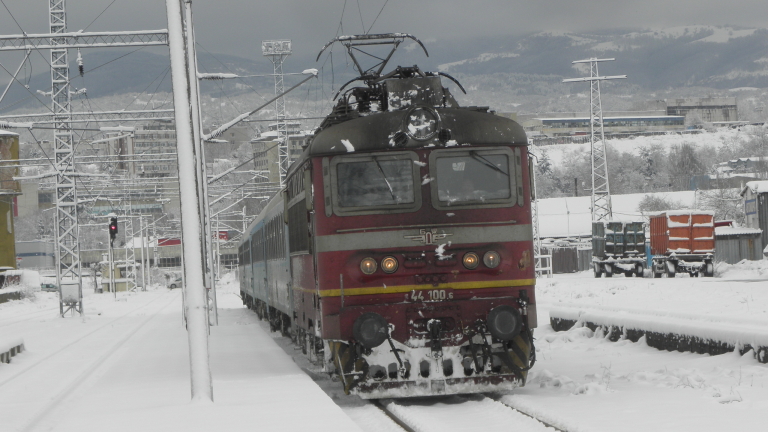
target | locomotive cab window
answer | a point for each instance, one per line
(479, 178)
(377, 183)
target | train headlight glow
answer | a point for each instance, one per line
(491, 259)
(505, 322)
(471, 260)
(389, 264)
(370, 330)
(368, 265)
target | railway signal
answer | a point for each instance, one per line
(112, 231)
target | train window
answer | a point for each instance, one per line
(478, 178)
(379, 183)
(298, 228)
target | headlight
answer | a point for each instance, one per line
(505, 322)
(389, 264)
(421, 123)
(471, 260)
(370, 330)
(368, 266)
(491, 259)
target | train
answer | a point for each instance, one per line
(399, 254)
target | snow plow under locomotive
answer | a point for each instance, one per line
(400, 252)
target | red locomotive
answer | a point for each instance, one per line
(400, 251)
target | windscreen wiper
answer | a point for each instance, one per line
(486, 162)
(386, 180)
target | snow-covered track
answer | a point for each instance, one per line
(471, 412)
(671, 332)
(27, 316)
(61, 372)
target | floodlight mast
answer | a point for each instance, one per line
(601, 194)
(277, 51)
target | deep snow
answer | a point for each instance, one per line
(131, 356)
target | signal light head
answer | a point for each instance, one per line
(368, 265)
(471, 260)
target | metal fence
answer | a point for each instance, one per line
(733, 249)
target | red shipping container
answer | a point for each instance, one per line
(683, 232)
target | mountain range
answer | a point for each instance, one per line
(717, 58)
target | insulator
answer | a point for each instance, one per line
(80, 63)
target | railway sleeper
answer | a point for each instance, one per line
(664, 341)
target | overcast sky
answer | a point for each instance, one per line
(238, 26)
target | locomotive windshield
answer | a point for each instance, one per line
(474, 177)
(375, 182)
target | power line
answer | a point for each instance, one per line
(99, 15)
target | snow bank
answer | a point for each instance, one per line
(744, 269)
(732, 333)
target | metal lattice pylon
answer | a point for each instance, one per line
(601, 194)
(130, 251)
(67, 246)
(277, 51)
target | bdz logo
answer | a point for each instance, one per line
(428, 237)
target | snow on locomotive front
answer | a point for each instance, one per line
(418, 277)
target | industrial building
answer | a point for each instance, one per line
(9, 190)
(755, 195)
(266, 152)
(709, 110)
(670, 115)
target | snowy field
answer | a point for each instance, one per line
(722, 136)
(124, 367)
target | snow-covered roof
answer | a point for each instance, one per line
(5, 132)
(728, 231)
(688, 212)
(756, 187)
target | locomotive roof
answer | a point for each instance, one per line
(374, 132)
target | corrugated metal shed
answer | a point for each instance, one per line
(734, 244)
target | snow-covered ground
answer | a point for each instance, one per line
(125, 367)
(570, 216)
(722, 136)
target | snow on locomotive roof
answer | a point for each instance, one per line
(375, 131)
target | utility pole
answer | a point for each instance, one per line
(277, 51)
(193, 255)
(601, 194)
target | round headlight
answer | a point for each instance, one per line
(370, 330)
(471, 260)
(505, 322)
(389, 264)
(491, 259)
(368, 266)
(421, 123)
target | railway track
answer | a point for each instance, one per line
(438, 413)
(466, 412)
(60, 373)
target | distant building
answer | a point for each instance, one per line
(709, 110)
(9, 191)
(158, 137)
(266, 153)
(38, 254)
(563, 124)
